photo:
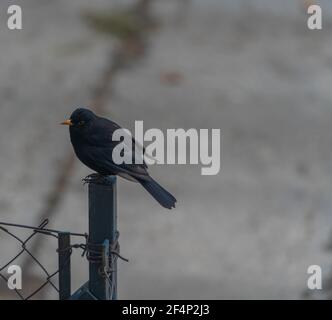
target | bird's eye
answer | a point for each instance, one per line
(81, 123)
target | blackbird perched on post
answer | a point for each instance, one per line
(91, 137)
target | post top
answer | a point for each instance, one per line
(98, 179)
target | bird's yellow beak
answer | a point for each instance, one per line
(67, 123)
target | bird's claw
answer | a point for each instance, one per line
(94, 177)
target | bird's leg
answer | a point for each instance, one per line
(95, 178)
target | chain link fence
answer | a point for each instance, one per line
(100, 248)
(49, 276)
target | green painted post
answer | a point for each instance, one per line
(64, 265)
(102, 226)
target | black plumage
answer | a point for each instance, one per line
(91, 137)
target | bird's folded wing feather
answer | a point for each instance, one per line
(137, 149)
(102, 158)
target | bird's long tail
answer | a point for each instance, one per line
(159, 193)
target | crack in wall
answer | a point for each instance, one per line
(128, 50)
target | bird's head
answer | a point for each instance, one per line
(80, 118)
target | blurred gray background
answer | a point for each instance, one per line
(250, 68)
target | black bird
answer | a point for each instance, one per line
(91, 137)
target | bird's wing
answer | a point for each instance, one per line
(100, 158)
(142, 150)
(132, 148)
(102, 146)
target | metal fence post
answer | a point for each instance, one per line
(102, 226)
(64, 265)
(106, 265)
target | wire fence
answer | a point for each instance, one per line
(100, 248)
(10, 229)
